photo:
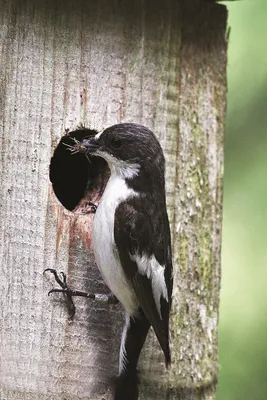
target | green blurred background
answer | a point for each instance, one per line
(243, 311)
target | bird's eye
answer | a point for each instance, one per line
(116, 143)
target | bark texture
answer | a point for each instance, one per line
(96, 63)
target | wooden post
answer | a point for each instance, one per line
(96, 63)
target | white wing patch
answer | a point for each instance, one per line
(155, 272)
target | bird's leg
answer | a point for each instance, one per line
(133, 337)
(69, 293)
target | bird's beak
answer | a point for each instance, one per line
(90, 146)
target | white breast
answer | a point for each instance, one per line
(105, 251)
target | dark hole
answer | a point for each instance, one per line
(72, 176)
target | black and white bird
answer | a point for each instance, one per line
(131, 240)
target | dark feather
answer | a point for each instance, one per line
(139, 232)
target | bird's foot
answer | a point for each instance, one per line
(67, 292)
(88, 207)
(93, 206)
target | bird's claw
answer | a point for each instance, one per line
(67, 292)
(93, 206)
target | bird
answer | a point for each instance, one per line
(132, 242)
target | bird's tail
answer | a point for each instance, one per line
(163, 338)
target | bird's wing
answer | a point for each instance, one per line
(145, 254)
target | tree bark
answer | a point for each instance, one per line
(97, 63)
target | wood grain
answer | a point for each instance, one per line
(63, 64)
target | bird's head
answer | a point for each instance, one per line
(128, 149)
